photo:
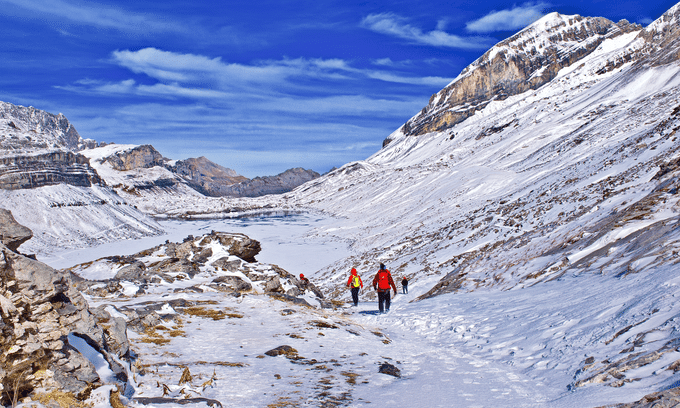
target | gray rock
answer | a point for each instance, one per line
(389, 369)
(12, 235)
(273, 285)
(228, 265)
(235, 282)
(48, 169)
(40, 308)
(132, 273)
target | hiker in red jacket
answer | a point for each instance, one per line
(382, 283)
(354, 282)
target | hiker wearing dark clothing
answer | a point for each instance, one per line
(354, 282)
(404, 285)
(382, 283)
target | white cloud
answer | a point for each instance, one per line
(507, 20)
(172, 66)
(90, 13)
(176, 68)
(397, 26)
(390, 77)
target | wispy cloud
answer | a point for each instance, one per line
(95, 14)
(171, 66)
(397, 26)
(507, 20)
(198, 76)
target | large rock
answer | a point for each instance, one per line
(12, 235)
(40, 307)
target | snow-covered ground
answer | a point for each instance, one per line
(520, 348)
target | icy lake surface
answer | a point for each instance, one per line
(287, 240)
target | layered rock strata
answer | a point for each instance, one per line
(32, 171)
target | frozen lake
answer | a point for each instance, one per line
(287, 241)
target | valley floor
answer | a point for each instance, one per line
(526, 347)
(502, 349)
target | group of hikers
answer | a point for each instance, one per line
(382, 283)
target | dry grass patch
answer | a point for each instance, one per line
(63, 399)
(201, 311)
(152, 336)
(351, 377)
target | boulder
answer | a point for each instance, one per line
(133, 273)
(389, 369)
(288, 351)
(235, 282)
(227, 264)
(12, 235)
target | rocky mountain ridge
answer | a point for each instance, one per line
(525, 61)
(27, 129)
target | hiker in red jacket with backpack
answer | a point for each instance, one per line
(382, 283)
(355, 283)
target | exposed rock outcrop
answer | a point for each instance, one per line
(205, 176)
(28, 129)
(217, 261)
(527, 60)
(12, 235)
(140, 157)
(40, 309)
(32, 171)
(281, 183)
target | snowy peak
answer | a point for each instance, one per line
(662, 44)
(33, 130)
(527, 60)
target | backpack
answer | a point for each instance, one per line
(355, 281)
(383, 280)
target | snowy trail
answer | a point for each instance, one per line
(436, 373)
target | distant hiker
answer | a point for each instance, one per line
(304, 281)
(382, 283)
(404, 285)
(355, 283)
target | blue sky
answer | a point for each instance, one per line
(257, 86)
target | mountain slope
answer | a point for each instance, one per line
(525, 61)
(573, 183)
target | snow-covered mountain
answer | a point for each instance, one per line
(53, 180)
(534, 207)
(51, 188)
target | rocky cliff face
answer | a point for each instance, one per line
(32, 171)
(662, 38)
(30, 130)
(527, 60)
(40, 309)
